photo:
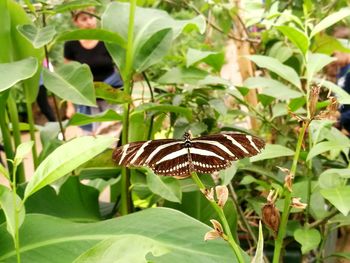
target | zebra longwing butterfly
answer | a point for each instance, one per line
(179, 158)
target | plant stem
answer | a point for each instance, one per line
(14, 195)
(11, 103)
(6, 137)
(31, 126)
(287, 200)
(223, 219)
(127, 74)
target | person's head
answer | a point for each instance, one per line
(83, 19)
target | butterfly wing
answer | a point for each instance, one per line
(216, 152)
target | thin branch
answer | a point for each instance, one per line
(323, 220)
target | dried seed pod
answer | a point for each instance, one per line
(271, 216)
(221, 195)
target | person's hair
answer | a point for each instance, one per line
(87, 10)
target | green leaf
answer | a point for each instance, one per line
(182, 76)
(326, 44)
(110, 94)
(4, 172)
(65, 159)
(331, 178)
(8, 206)
(153, 50)
(214, 59)
(272, 151)
(45, 237)
(345, 255)
(79, 119)
(227, 174)
(342, 96)
(330, 20)
(326, 146)
(308, 238)
(73, 82)
(277, 67)
(165, 186)
(272, 88)
(22, 150)
(75, 201)
(315, 63)
(339, 197)
(219, 106)
(12, 73)
(280, 51)
(259, 253)
(165, 108)
(39, 37)
(297, 37)
(144, 250)
(153, 32)
(93, 33)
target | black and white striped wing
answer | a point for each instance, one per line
(216, 152)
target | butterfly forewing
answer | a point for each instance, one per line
(178, 158)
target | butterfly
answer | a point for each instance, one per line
(205, 154)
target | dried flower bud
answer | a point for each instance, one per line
(209, 194)
(216, 232)
(315, 91)
(297, 204)
(221, 194)
(271, 216)
(288, 180)
(212, 234)
(331, 113)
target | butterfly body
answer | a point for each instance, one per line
(179, 158)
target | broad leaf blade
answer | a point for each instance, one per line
(308, 238)
(79, 119)
(72, 82)
(272, 151)
(164, 186)
(12, 73)
(22, 150)
(39, 37)
(330, 20)
(65, 159)
(339, 197)
(7, 204)
(181, 235)
(277, 67)
(297, 37)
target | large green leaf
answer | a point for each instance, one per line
(342, 96)
(214, 59)
(182, 76)
(94, 33)
(75, 201)
(45, 238)
(330, 20)
(73, 82)
(110, 94)
(326, 44)
(297, 37)
(272, 151)
(272, 88)
(316, 62)
(164, 186)
(83, 119)
(11, 73)
(21, 48)
(39, 37)
(9, 203)
(75, 4)
(339, 197)
(277, 67)
(154, 30)
(65, 159)
(326, 146)
(308, 238)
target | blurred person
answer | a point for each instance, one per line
(95, 55)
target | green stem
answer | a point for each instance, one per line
(287, 200)
(223, 219)
(12, 108)
(127, 74)
(6, 137)
(14, 195)
(31, 127)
